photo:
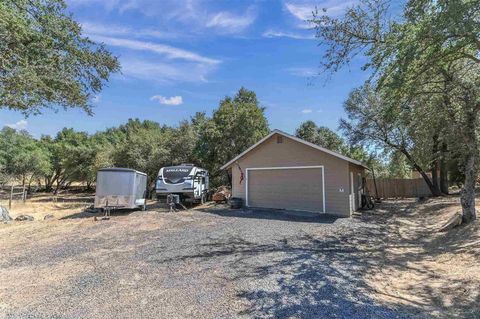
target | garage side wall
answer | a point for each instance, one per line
(292, 153)
(358, 174)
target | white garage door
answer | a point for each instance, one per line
(296, 188)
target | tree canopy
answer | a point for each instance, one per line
(423, 93)
(238, 123)
(322, 136)
(73, 156)
(45, 61)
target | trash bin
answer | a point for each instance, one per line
(236, 202)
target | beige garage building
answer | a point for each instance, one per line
(285, 172)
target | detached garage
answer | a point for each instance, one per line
(285, 172)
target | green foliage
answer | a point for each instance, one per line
(322, 136)
(238, 123)
(327, 138)
(146, 146)
(45, 61)
(398, 166)
(22, 157)
(426, 79)
(72, 155)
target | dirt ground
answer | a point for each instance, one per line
(437, 272)
(393, 256)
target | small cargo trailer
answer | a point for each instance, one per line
(120, 188)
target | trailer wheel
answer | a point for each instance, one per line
(370, 205)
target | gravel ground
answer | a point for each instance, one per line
(211, 263)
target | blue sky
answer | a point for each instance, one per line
(179, 57)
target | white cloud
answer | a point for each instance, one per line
(302, 72)
(173, 64)
(108, 4)
(304, 11)
(20, 125)
(174, 100)
(307, 111)
(186, 17)
(227, 22)
(300, 11)
(166, 72)
(162, 49)
(292, 35)
(96, 98)
(93, 29)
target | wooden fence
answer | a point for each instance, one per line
(13, 192)
(398, 188)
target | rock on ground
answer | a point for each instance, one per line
(22, 218)
(4, 215)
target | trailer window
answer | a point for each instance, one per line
(176, 174)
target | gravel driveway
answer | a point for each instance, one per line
(215, 263)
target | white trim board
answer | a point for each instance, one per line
(284, 168)
(359, 190)
(348, 159)
(351, 196)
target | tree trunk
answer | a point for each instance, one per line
(435, 164)
(468, 192)
(375, 183)
(49, 182)
(467, 198)
(433, 189)
(443, 169)
(435, 181)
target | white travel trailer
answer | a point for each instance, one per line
(186, 180)
(120, 188)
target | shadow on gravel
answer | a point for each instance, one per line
(301, 277)
(317, 280)
(326, 275)
(274, 214)
(90, 214)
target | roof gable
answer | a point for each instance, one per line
(299, 140)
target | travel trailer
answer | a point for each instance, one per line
(120, 188)
(186, 180)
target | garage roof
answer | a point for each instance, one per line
(348, 159)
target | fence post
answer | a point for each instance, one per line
(11, 197)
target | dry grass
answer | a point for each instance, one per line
(411, 263)
(43, 204)
(426, 269)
